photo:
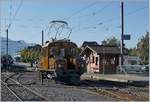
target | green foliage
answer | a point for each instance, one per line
(132, 52)
(28, 55)
(142, 49)
(111, 41)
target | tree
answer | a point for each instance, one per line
(132, 52)
(143, 48)
(24, 55)
(30, 54)
(112, 41)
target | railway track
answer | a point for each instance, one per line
(20, 91)
(88, 88)
(15, 83)
(14, 94)
(116, 92)
(120, 91)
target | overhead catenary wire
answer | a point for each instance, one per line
(17, 10)
(114, 19)
(127, 14)
(75, 13)
(97, 12)
(82, 9)
(15, 14)
(10, 11)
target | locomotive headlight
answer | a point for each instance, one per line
(82, 65)
(59, 65)
(49, 76)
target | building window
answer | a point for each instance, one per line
(96, 60)
(92, 59)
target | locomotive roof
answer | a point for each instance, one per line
(60, 41)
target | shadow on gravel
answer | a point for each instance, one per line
(139, 83)
(102, 83)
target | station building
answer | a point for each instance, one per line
(101, 58)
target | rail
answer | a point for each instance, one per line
(116, 93)
(18, 83)
(6, 85)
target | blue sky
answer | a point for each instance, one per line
(96, 22)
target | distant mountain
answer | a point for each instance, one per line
(13, 46)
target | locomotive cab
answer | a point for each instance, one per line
(60, 59)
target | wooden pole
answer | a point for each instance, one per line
(122, 31)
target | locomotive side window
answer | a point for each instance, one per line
(73, 51)
(76, 51)
(62, 52)
(67, 52)
(55, 51)
(52, 51)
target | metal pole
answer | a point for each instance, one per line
(7, 48)
(42, 37)
(122, 31)
(7, 42)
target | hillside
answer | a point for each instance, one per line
(13, 46)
